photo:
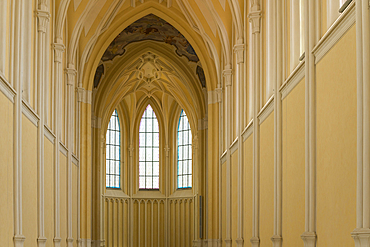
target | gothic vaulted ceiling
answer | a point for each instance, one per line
(153, 28)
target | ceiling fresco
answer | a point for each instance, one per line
(152, 28)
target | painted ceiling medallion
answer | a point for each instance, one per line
(150, 27)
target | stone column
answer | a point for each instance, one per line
(279, 79)
(227, 73)
(255, 20)
(71, 77)
(16, 72)
(239, 50)
(42, 22)
(361, 234)
(58, 51)
(309, 236)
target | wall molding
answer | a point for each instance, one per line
(30, 113)
(339, 28)
(6, 88)
(292, 81)
(234, 146)
(63, 149)
(266, 110)
(247, 131)
(75, 160)
(49, 134)
(223, 157)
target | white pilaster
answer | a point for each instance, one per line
(42, 21)
(309, 236)
(239, 50)
(58, 51)
(227, 73)
(71, 77)
(255, 20)
(279, 79)
(16, 74)
(271, 48)
(294, 33)
(361, 234)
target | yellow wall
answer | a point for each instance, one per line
(248, 188)
(234, 197)
(74, 203)
(63, 197)
(29, 182)
(267, 181)
(294, 166)
(223, 205)
(6, 174)
(49, 191)
(336, 143)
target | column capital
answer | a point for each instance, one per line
(80, 94)
(71, 75)
(255, 20)
(239, 51)
(219, 93)
(58, 50)
(227, 73)
(43, 19)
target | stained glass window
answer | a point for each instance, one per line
(149, 150)
(184, 153)
(113, 153)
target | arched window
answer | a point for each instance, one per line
(149, 150)
(184, 153)
(113, 153)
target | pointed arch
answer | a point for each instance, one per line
(113, 152)
(149, 150)
(121, 22)
(184, 152)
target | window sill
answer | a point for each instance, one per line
(148, 194)
(111, 192)
(179, 193)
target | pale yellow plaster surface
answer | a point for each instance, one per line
(294, 165)
(234, 197)
(29, 182)
(248, 188)
(267, 181)
(6, 174)
(63, 197)
(49, 190)
(336, 143)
